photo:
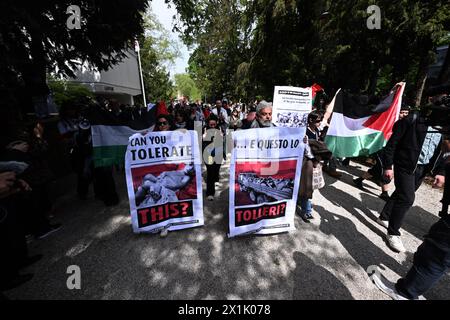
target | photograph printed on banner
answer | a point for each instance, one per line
(252, 187)
(292, 119)
(164, 183)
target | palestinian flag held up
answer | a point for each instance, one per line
(110, 135)
(360, 129)
(315, 88)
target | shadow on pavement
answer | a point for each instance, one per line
(364, 251)
(342, 199)
(314, 282)
(417, 221)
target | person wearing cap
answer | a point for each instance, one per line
(263, 117)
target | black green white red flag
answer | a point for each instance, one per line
(359, 129)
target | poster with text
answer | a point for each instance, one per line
(291, 106)
(264, 180)
(163, 171)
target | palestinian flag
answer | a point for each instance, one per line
(315, 88)
(359, 129)
(110, 135)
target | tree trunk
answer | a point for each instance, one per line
(444, 75)
(373, 81)
(422, 74)
(420, 86)
(35, 77)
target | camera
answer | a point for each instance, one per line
(84, 124)
(437, 113)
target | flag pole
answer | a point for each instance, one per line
(138, 51)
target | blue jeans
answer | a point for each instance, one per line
(306, 206)
(431, 262)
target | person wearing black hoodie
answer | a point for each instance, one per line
(412, 150)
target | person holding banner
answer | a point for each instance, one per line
(164, 122)
(211, 135)
(263, 116)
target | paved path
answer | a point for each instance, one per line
(325, 259)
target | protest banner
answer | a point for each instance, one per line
(163, 171)
(291, 106)
(264, 180)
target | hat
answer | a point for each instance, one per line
(263, 104)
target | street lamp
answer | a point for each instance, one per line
(138, 50)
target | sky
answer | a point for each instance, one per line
(165, 15)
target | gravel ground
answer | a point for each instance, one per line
(325, 259)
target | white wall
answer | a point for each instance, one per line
(123, 78)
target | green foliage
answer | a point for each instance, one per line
(185, 86)
(35, 39)
(248, 47)
(68, 92)
(158, 51)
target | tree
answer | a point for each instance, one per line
(218, 31)
(68, 92)
(158, 52)
(34, 38)
(185, 86)
(248, 47)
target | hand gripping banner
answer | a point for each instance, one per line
(291, 106)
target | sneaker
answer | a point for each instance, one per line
(358, 183)
(384, 196)
(210, 198)
(309, 215)
(164, 233)
(304, 216)
(49, 230)
(383, 223)
(395, 243)
(334, 174)
(387, 288)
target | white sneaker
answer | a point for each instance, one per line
(387, 288)
(395, 242)
(164, 233)
(383, 223)
(210, 198)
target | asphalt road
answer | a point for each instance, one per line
(325, 259)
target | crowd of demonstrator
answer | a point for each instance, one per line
(26, 208)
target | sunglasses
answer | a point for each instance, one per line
(162, 123)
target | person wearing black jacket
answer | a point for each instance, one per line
(211, 147)
(411, 158)
(432, 258)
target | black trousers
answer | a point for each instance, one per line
(104, 185)
(431, 261)
(396, 208)
(212, 176)
(31, 209)
(13, 246)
